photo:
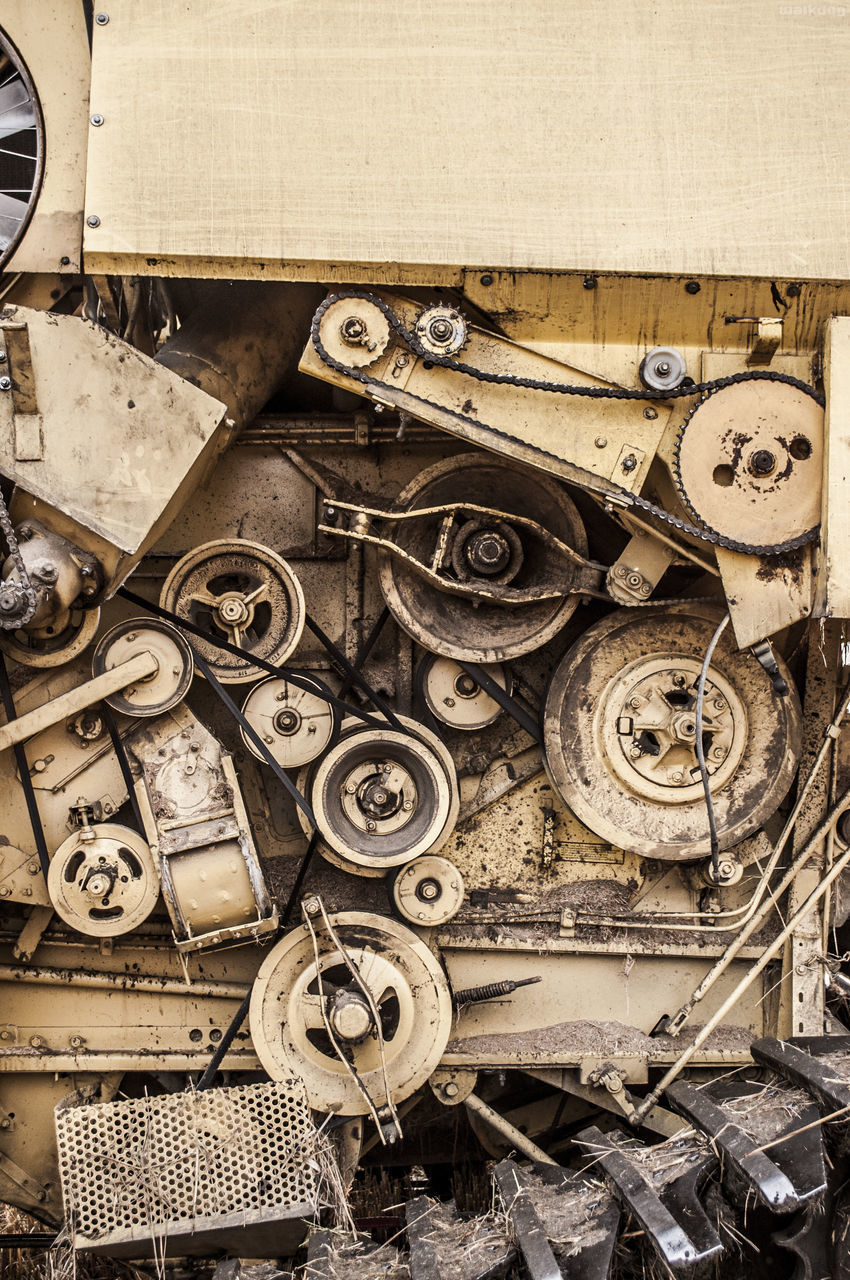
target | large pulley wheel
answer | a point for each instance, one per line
(485, 550)
(294, 1000)
(166, 686)
(749, 463)
(103, 880)
(49, 647)
(382, 797)
(295, 723)
(620, 733)
(240, 592)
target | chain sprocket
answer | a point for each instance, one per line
(18, 600)
(623, 497)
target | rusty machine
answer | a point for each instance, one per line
(423, 648)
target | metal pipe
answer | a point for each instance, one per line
(241, 340)
(121, 982)
(507, 1130)
(731, 1000)
(758, 919)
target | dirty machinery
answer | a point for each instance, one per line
(423, 657)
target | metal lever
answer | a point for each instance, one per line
(75, 700)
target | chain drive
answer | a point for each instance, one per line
(18, 600)
(623, 497)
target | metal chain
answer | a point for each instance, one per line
(18, 600)
(618, 493)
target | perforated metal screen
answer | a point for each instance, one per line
(152, 1161)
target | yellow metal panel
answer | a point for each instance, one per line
(833, 593)
(50, 36)
(635, 137)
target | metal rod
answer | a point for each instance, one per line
(120, 981)
(507, 1130)
(732, 999)
(757, 920)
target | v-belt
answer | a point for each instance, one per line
(615, 491)
(24, 773)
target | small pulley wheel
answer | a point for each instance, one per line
(354, 331)
(296, 724)
(240, 592)
(294, 999)
(620, 733)
(428, 891)
(452, 695)
(383, 797)
(482, 550)
(46, 647)
(168, 685)
(103, 880)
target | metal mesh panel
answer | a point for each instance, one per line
(148, 1162)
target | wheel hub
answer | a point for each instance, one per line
(648, 724)
(379, 796)
(350, 1016)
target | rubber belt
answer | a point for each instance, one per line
(24, 771)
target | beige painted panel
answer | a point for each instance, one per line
(50, 36)
(640, 136)
(121, 434)
(833, 596)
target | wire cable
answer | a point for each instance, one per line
(703, 771)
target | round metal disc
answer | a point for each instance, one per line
(428, 891)
(354, 331)
(168, 685)
(619, 733)
(451, 625)
(454, 697)
(295, 724)
(240, 592)
(382, 798)
(103, 880)
(22, 135)
(749, 462)
(43, 650)
(407, 985)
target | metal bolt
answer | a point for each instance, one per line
(601, 442)
(486, 279)
(678, 680)
(676, 775)
(650, 414)
(77, 1042)
(5, 891)
(371, 826)
(312, 906)
(693, 286)
(719, 704)
(2, 357)
(629, 462)
(634, 703)
(96, 119)
(663, 368)
(408, 805)
(635, 751)
(717, 753)
(93, 220)
(101, 19)
(590, 282)
(5, 384)
(452, 1090)
(8, 601)
(350, 788)
(37, 1042)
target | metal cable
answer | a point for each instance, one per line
(703, 771)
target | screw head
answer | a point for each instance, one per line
(96, 119)
(5, 384)
(371, 826)
(601, 442)
(693, 286)
(486, 279)
(590, 282)
(92, 220)
(452, 1090)
(101, 19)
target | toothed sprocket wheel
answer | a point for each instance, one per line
(748, 463)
